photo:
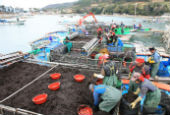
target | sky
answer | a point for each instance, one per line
(31, 3)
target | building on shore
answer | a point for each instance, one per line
(157, 0)
(9, 9)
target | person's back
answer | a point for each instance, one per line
(110, 97)
(109, 68)
(99, 30)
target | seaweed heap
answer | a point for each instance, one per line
(62, 102)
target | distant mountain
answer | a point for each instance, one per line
(143, 7)
(63, 5)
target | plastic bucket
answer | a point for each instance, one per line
(40, 99)
(55, 76)
(79, 78)
(54, 86)
(84, 110)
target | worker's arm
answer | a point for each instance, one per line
(131, 67)
(133, 104)
(100, 89)
(151, 60)
(147, 72)
(96, 98)
(143, 91)
(129, 76)
(155, 58)
(137, 91)
(98, 76)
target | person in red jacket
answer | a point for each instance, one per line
(99, 33)
(140, 67)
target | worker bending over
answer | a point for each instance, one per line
(151, 93)
(108, 75)
(138, 66)
(154, 60)
(114, 40)
(105, 97)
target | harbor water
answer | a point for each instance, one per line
(18, 37)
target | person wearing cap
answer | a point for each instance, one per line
(105, 97)
(138, 66)
(154, 60)
(148, 90)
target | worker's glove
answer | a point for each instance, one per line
(137, 91)
(129, 76)
(133, 104)
(99, 76)
(150, 60)
(95, 75)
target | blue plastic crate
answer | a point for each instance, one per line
(163, 71)
(114, 49)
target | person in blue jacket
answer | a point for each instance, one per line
(105, 97)
(154, 60)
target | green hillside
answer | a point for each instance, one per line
(143, 7)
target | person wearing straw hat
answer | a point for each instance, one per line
(148, 90)
(138, 66)
(105, 97)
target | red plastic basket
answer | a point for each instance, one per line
(79, 77)
(55, 76)
(54, 86)
(40, 99)
(85, 110)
